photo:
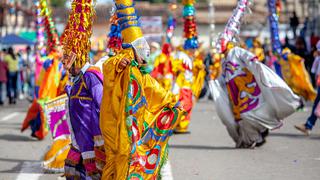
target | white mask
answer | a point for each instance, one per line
(141, 47)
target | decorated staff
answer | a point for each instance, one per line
(171, 22)
(52, 35)
(190, 26)
(40, 46)
(183, 66)
(114, 37)
(232, 28)
(274, 29)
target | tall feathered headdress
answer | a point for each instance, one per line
(76, 36)
(49, 25)
(39, 29)
(130, 28)
(274, 30)
(115, 40)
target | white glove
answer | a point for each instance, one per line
(185, 59)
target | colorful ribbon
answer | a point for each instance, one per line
(190, 26)
(274, 30)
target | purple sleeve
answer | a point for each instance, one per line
(95, 89)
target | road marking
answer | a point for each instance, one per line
(9, 116)
(27, 176)
(166, 172)
(30, 171)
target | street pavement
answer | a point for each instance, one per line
(207, 153)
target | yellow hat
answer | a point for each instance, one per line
(76, 36)
(130, 28)
(128, 21)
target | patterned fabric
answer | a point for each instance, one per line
(136, 129)
(257, 99)
(56, 114)
(47, 88)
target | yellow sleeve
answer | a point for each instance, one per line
(176, 66)
(112, 117)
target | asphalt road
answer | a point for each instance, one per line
(206, 153)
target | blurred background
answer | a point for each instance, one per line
(16, 16)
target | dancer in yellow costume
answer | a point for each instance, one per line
(184, 81)
(296, 76)
(258, 50)
(162, 71)
(216, 68)
(137, 115)
(182, 68)
(199, 74)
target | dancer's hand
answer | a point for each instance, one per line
(124, 63)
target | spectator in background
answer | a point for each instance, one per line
(301, 50)
(3, 74)
(155, 51)
(249, 43)
(30, 72)
(12, 62)
(313, 41)
(21, 77)
(294, 23)
(305, 27)
(307, 127)
(5, 51)
(288, 45)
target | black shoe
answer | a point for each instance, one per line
(1, 103)
(181, 132)
(301, 106)
(259, 144)
(265, 133)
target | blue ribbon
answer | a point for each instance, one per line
(274, 29)
(188, 11)
(191, 43)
